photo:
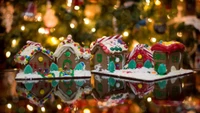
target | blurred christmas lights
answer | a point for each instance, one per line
(29, 107)
(22, 27)
(8, 53)
(59, 107)
(9, 106)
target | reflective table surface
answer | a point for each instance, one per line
(99, 94)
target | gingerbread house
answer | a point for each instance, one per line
(69, 53)
(107, 49)
(107, 86)
(140, 54)
(72, 90)
(168, 53)
(36, 56)
(141, 89)
(37, 92)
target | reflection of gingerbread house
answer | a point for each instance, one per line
(37, 92)
(140, 54)
(70, 53)
(141, 89)
(168, 53)
(103, 87)
(72, 90)
(36, 56)
(171, 90)
(108, 49)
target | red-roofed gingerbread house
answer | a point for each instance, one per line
(168, 53)
(140, 54)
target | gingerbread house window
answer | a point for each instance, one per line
(159, 56)
(175, 58)
(99, 58)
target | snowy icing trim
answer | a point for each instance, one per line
(168, 47)
(112, 44)
(28, 51)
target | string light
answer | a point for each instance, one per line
(149, 99)
(43, 109)
(86, 110)
(14, 42)
(8, 53)
(69, 3)
(93, 29)
(149, 20)
(153, 39)
(9, 106)
(125, 33)
(157, 2)
(148, 2)
(22, 27)
(29, 107)
(39, 17)
(54, 40)
(59, 107)
(179, 34)
(86, 20)
(72, 25)
(76, 7)
(61, 38)
(168, 16)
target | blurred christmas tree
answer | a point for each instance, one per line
(50, 21)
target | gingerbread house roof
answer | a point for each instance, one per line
(74, 47)
(142, 49)
(110, 45)
(28, 51)
(168, 47)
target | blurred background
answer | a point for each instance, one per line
(139, 21)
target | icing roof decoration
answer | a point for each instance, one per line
(28, 51)
(140, 49)
(112, 44)
(68, 43)
(168, 47)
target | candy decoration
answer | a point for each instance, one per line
(40, 59)
(42, 91)
(54, 83)
(80, 66)
(111, 66)
(111, 81)
(53, 67)
(79, 83)
(28, 69)
(162, 69)
(139, 86)
(162, 84)
(67, 54)
(139, 56)
(117, 59)
(69, 92)
(132, 64)
(29, 86)
(148, 64)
